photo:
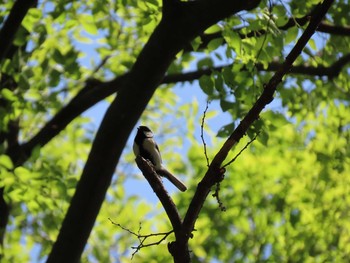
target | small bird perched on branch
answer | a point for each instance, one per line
(145, 146)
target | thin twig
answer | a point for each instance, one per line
(265, 35)
(202, 133)
(143, 238)
(101, 64)
(242, 150)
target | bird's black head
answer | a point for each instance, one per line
(145, 131)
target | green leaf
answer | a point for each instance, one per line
(226, 130)
(215, 43)
(292, 35)
(31, 19)
(312, 44)
(228, 76)
(233, 40)
(207, 84)
(226, 105)
(263, 137)
(205, 63)
(88, 24)
(8, 95)
(213, 29)
(153, 2)
(219, 84)
(6, 162)
(22, 173)
(21, 37)
(195, 43)
(7, 67)
(274, 119)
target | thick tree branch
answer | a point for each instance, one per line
(93, 92)
(4, 216)
(213, 173)
(334, 29)
(321, 71)
(12, 23)
(7, 50)
(174, 31)
(158, 187)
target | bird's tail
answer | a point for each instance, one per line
(165, 173)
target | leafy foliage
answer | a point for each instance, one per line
(286, 195)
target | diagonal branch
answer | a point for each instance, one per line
(158, 187)
(175, 30)
(12, 24)
(214, 172)
(95, 91)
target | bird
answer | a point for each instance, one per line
(145, 146)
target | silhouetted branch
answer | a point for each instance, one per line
(10, 135)
(324, 27)
(12, 23)
(176, 29)
(202, 134)
(4, 216)
(331, 72)
(240, 152)
(214, 172)
(143, 238)
(156, 183)
(95, 91)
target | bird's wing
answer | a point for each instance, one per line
(152, 150)
(160, 157)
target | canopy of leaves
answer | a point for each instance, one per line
(287, 196)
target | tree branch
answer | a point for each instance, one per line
(321, 71)
(158, 187)
(213, 173)
(169, 37)
(142, 238)
(7, 50)
(95, 91)
(12, 24)
(4, 216)
(323, 27)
